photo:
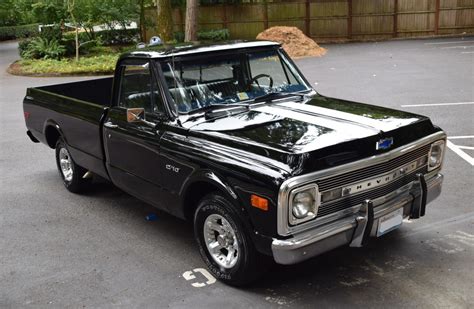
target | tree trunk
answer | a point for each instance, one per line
(190, 33)
(142, 21)
(165, 20)
(70, 8)
(77, 43)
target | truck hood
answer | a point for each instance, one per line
(320, 132)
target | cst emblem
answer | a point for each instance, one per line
(384, 143)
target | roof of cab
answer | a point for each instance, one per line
(162, 51)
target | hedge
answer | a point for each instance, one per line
(108, 37)
(206, 35)
(16, 32)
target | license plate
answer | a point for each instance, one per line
(390, 222)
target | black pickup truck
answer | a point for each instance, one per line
(233, 138)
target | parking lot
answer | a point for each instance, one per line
(97, 250)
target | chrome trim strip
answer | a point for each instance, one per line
(283, 227)
(309, 238)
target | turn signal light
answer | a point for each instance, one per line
(259, 202)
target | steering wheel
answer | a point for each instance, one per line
(257, 77)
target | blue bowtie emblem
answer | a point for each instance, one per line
(384, 143)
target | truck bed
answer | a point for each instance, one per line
(77, 109)
(97, 91)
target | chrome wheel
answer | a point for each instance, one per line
(65, 162)
(221, 241)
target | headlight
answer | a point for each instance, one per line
(304, 203)
(435, 157)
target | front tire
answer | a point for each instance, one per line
(224, 244)
(70, 172)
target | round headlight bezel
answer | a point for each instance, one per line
(312, 208)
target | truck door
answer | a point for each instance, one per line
(132, 145)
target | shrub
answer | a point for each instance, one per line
(108, 37)
(17, 32)
(179, 36)
(83, 36)
(214, 35)
(84, 46)
(206, 35)
(43, 48)
(23, 46)
(51, 33)
(119, 37)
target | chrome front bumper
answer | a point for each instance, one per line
(354, 229)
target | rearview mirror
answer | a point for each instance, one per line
(135, 114)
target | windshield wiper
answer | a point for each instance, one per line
(276, 95)
(215, 110)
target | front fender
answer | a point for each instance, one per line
(204, 182)
(210, 179)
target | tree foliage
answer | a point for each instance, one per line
(16, 12)
(49, 11)
(109, 12)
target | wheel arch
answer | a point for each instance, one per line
(52, 132)
(202, 184)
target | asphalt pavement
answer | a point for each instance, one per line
(58, 249)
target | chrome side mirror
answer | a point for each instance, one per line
(135, 114)
(138, 115)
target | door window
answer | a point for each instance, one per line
(138, 89)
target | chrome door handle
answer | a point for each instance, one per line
(110, 125)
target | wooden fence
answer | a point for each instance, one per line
(330, 20)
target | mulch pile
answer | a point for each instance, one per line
(293, 40)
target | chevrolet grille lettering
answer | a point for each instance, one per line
(383, 179)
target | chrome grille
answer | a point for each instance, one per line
(371, 171)
(330, 207)
(349, 201)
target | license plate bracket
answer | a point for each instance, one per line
(390, 222)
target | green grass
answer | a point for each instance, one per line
(99, 64)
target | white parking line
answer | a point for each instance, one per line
(461, 137)
(458, 47)
(441, 223)
(452, 42)
(466, 147)
(467, 52)
(437, 104)
(460, 153)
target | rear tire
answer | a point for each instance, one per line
(224, 243)
(70, 172)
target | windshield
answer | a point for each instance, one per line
(218, 80)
